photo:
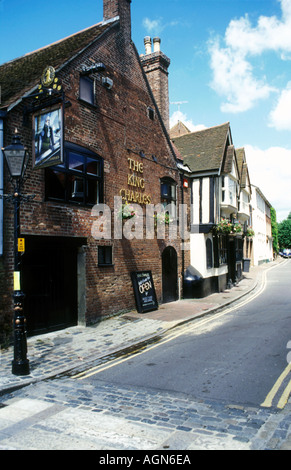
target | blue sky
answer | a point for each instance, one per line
(230, 61)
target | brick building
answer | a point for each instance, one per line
(84, 108)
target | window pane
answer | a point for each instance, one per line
(76, 162)
(93, 167)
(105, 255)
(173, 192)
(93, 192)
(87, 89)
(108, 255)
(56, 184)
(209, 259)
(76, 188)
(165, 189)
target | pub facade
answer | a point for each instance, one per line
(103, 174)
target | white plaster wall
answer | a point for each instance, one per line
(205, 200)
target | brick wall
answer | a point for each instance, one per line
(156, 66)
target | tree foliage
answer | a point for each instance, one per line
(284, 233)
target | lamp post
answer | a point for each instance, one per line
(17, 157)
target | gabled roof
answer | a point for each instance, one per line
(243, 168)
(21, 75)
(178, 130)
(204, 150)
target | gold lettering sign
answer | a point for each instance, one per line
(136, 182)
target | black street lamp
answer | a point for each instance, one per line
(17, 157)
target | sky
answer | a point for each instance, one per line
(230, 62)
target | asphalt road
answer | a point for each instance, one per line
(201, 387)
(234, 357)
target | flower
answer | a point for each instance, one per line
(250, 232)
(163, 218)
(237, 228)
(227, 227)
(127, 211)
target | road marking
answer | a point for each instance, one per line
(97, 369)
(285, 396)
(273, 392)
(171, 336)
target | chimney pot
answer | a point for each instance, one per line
(157, 44)
(148, 44)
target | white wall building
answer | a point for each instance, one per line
(261, 219)
(217, 194)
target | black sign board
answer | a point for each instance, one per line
(144, 291)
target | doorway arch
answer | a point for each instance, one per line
(170, 275)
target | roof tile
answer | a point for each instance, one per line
(19, 76)
(204, 150)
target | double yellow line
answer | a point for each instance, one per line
(285, 394)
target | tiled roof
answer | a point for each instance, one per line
(228, 160)
(240, 155)
(19, 76)
(178, 130)
(204, 150)
(243, 167)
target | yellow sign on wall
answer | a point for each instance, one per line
(21, 245)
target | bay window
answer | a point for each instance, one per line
(78, 180)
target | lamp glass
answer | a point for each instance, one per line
(15, 160)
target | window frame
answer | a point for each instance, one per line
(151, 113)
(167, 200)
(209, 253)
(102, 258)
(91, 81)
(71, 176)
(220, 247)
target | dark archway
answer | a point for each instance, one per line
(170, 274)
(49, 278)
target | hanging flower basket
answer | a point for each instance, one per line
(126, 212)
(237, 228)
(250, 232)
(163, 218)
(227, 227)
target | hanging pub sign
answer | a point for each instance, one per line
(144, 291)
(47, 147)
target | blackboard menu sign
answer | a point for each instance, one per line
(144, 291)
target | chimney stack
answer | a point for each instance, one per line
(121, 9)
(155, 65)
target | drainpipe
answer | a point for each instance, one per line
(1, 179)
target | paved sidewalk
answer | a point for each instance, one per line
(74, 348)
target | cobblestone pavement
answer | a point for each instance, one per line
(67, 414)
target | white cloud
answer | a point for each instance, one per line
(280, 117)
(179, 116)
(233, 78)
(153, 26)
(270, 170)
(233, 73)
(270, 33)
